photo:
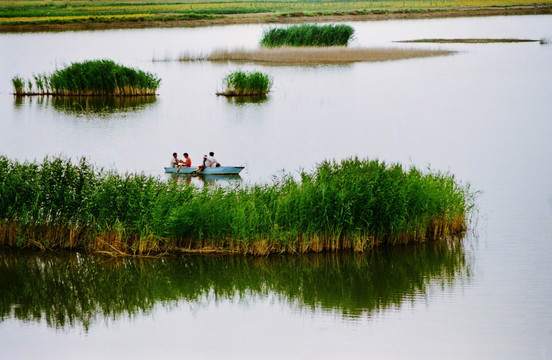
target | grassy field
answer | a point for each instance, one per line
(19, 15)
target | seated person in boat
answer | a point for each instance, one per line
(175, 161)
(187, 162)
(211, 161)
(208, 162)
(203, 165)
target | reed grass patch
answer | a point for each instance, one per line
(315, 55)
(90, 78)
(240, 83)
(352, 204)
(308, 35)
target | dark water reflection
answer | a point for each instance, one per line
(97, 105)
(244, 100)
(207, 181)
(73, 289)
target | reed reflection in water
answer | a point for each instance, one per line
(73, 289)
(244, 100)
(97, 105)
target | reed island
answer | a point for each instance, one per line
(311, 44)
(89, 78)
(355, 204)
(241, 83)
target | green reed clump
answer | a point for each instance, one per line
(308, 35)
(93, 77)
(241, 83)
(353, 204)
(18, 85)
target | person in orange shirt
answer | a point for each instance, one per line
(187, 162)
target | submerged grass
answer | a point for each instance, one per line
(308, 35)
(239, 83)
(354, 204)
(90, 78)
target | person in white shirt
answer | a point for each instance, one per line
(211, 161)
(175, 161)
(208, 161)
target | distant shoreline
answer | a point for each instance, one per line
(277, 18)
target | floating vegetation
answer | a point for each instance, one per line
(90, 78)
(315, 55)
(240, 83)
(308, 35)
(354, 204)
(467, 41)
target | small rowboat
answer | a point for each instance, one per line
(221, 170)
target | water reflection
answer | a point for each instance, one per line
(203, 180)
(244, 100)
(73, 289)
(97, 105)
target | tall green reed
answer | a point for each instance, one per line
(93, 77)
(247, 83)
(18, 85)
(353, 204)
(308, 35)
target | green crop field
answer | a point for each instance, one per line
(70, 11)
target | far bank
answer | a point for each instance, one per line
(136, 21)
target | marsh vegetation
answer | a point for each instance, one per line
(354, 204)
(240, 83)
(308, 35)
(311, 44)
(315, 55)
(90, 78)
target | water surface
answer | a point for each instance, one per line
(483, 114)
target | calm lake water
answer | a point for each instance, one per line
(483, 114)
